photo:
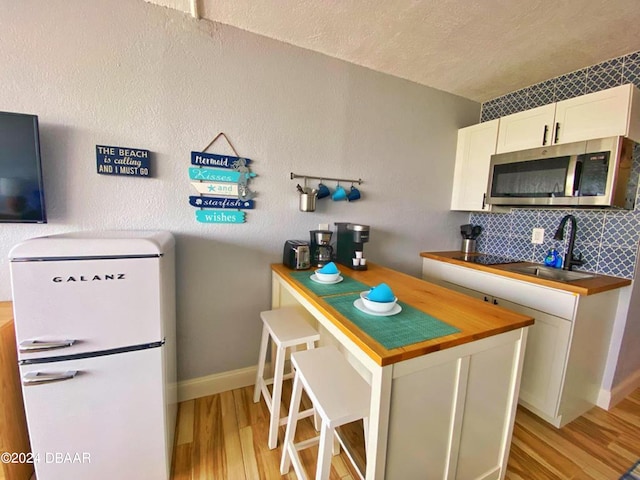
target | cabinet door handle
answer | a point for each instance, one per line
(544, 134)
(484, 197)
(486, 299)
(555, 137)
(495, 302)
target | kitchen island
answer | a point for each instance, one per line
(441, 407)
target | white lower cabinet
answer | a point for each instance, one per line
(566, 347)
(463, 395)
(545, 359)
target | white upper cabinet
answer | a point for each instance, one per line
(476, 144)
(607, 113)
(528, 129)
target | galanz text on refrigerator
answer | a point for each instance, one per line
(89, 278)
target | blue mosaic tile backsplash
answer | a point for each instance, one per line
(607, 239)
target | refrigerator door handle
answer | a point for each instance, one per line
(29, 346)
(38, 378)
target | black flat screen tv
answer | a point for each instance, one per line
(21, 187)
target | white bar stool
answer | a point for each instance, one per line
(287, 328)
(340, 396)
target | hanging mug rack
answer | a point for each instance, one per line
(308, 195)
(345, 180)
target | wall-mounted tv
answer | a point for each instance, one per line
(21, 187)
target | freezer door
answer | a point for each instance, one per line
(100, 243)
(84, 306)
(107, 421)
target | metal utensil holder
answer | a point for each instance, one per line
(468, 245)
(308, 202)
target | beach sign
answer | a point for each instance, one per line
(130, 162)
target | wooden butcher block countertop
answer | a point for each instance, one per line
(474, 318)
(587, 286)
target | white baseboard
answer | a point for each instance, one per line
(609, 399)
(216, 383)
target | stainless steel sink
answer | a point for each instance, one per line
(549, 273)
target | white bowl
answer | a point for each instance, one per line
(378, 307)
(327, 277)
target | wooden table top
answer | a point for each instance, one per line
(474, 318)
(587, 286)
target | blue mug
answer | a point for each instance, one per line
(339, 194)
(323, 190)
(354, 194)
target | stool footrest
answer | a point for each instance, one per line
(307, 443)
(283, 420)
(303, 414)
(296, 463)
(286, 376)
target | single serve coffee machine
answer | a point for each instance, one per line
(321, 249)
(351, 239)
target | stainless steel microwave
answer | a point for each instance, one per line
(589, 173)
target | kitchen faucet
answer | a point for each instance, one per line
(569, 259)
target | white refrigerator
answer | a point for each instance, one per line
(95, 326)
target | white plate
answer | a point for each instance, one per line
(317, 280)
(360, 306)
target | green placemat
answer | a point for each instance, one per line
(347, 285)
(407, 327)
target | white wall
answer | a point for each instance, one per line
(127, 73)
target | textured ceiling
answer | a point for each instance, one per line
(478, 49)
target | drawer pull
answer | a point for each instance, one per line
(38, 378)
(29, 346)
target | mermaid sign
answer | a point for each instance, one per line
(223, 184)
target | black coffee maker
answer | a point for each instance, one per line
(351, 239)
(320, 246)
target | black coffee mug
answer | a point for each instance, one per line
(354, 194)
(323, 190)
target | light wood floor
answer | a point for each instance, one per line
(224, 436)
